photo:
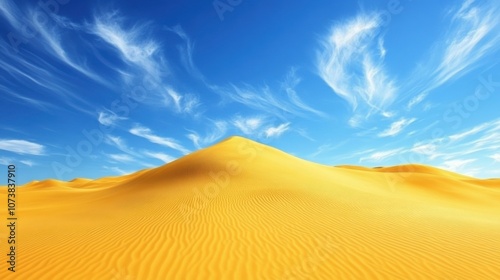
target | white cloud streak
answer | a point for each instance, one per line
(186, 52)
(146, 133)
(416, 100)
(381, 155)
(121, 157)
(146, 61)
(130, 43)
(457, 165)
(268, 100)
(496, 157)
(289, 84)
(11, 13)
(29, 163)
(218, 129)
(109, 118)
(349, 63)
(455, 152)
(249, 125)
(22, 147)
(5, 161)
(492, 126)
(33, 68)
(425, 149)
(186, 103)
(472, 35)
(120, 144)
(262, 99)
(277, 130)
(351, 58)
(29, 26)
(160, 156)
(396, 127)
(117, 170)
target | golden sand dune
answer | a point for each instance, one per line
(242, 210)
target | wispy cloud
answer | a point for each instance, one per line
(388, 114)
(289, 86)
(349, 63)
(416, 100)
(109, 118)
(43, 64)
(146, 61)
(130, 156)
(268, 100)
(186, 103)
(264, 99)
(120, 144)
(146, 133)
(325, 148)
(396, 127)
(186, 52)
(121, 157)
(26, 20)
(484, 137)
(457, 165)
(260, 126)
(25, 100)
(117, 170)
(8, 161)
(428, 149)
(473, 34)
(29, 70)
(382, 50)
(22, 147)
(132, 44)
(11, 13)
(217, 130)
(26, 162)
(496, 157)
(160, 156)
(381, 155)
(277, 130)
(5, 161)
(248, 125)
(491, 125)
(351, 58)
(53, 43)
(457, 151)
(304, 133)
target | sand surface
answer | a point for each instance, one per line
(243, 210)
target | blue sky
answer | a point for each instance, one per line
(99, 88)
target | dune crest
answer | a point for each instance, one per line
(244, 210)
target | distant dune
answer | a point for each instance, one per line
(243, 210)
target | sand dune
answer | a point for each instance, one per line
(243, 210)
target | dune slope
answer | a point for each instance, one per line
(243, 210)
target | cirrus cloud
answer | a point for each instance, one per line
(351, 62)
(22, 147)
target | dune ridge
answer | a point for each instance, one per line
(243, 210)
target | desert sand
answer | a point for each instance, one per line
(243, 210)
